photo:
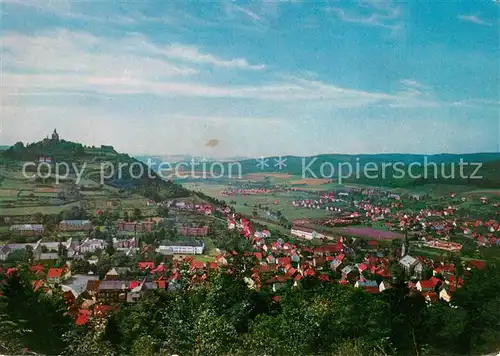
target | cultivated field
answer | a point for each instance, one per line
(262, 176)
(371, 233)
(311, 181)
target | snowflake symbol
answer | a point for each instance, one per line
(262, 162)
(280, 162)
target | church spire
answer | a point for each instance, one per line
(405, 247)
(55, 136)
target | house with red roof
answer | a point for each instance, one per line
(277, 282)
(452, 281)
(101, 310)
(477, 264)
(37, 269)
(271, 259)
(371, 290)
(212, 265)
(83, 317)
(323, 277)
(430, 297)
(197, 265)
(428, 285)
(297, 279)
(160, 269)
(444, 269)
(310, 272)
(362, 267)
(55, 275)
(145, 266)
(38, 284)
(161, 283)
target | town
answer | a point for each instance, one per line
(370, 239)
(249, 178)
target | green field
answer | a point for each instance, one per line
(204, 258)
(29, 210)
(247, 204)
(9, 192)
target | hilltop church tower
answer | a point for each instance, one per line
(55, 136)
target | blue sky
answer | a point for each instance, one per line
(261, 78)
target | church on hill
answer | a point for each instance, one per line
(55, 136)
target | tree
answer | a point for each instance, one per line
(162, 211)
(18, 255)
(62, 251)
(478, 297)
(137, 214)
(469, 248)
(38, 217)
(110, 249)
(357, 347)
(397, 271)
(143, 346)
(89, 340)
(29, 255)
(42, 318)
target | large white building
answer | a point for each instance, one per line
(306, 233)
(187, 247)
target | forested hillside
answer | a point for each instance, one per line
(221, 316)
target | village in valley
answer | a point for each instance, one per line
(108, 245)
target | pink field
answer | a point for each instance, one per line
(372, 233)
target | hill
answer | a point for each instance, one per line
(295, 164)
(50, 176)
(354, 168)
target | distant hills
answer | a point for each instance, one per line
(172, 159)
(313, 166)
(319, 166)
(296, 164)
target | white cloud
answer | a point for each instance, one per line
(413, 83)
(66, 9)
(80, 62)
(75, 56)
(380, 14)
(191, 54)
(474, 19)
(246, 11)
(477, 103)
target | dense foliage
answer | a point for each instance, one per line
(61, 150)
(222, 316)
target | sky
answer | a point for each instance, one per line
(249, 79)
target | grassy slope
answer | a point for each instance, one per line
(18, 195)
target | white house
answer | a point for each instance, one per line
(91, 245)
(384, 285)
(365, 283)
(4, 252)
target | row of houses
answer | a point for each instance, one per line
(36, 230)
(69, 248)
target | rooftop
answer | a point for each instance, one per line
(113, 285)
(187, 242)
